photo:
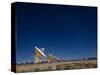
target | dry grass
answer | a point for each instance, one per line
(57, 66)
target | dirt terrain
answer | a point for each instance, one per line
(82, 64)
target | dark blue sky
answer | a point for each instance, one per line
(65, 31)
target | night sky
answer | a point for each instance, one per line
(64, 31)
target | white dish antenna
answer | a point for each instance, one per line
(41, 52)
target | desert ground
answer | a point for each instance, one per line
(67, 65)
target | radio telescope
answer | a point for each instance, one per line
(39, 55)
